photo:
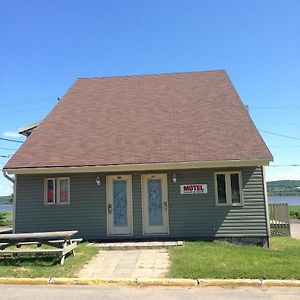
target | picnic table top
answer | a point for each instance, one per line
(37, 235)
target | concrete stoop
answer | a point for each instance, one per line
(137, 245)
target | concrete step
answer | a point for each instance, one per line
(138, 245)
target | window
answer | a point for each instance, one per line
(50, 191)
(63, 190)
(228, 188)
(57, 190)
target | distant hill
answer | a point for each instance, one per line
(283, 187)
(6, 200)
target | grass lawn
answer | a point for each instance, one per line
(225, 260)
(46, 266)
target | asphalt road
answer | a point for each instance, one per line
(25, 292)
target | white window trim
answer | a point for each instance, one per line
(46, 191)
(58, 191)
(228, 189)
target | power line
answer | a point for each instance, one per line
(274, 107)
(24, 110)
(39, 100)
(281, 135)
(10, 140)
(282, 146)
(8, 149)
(278, 123)
(293, 165)
(6, 156)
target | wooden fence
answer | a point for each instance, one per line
(279, 219)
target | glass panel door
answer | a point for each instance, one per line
(155, 202)
(119, 205)
(120, 202)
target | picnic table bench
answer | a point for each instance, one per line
(61, 241)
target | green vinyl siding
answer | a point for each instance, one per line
(190, 216)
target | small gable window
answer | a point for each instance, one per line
(57, 190)
(228, 188)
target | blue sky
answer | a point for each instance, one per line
(46, 45)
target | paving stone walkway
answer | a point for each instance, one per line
(295, 229)
(135, 263)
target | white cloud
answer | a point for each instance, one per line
(12, 134)
(282, 173)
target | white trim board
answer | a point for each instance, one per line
(14, 205)
(266, 202)
(141, 167)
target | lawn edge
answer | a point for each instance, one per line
(152, 282)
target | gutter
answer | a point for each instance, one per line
(7, 177)
(139, 167)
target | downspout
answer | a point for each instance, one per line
(14, 182)
(7, 177)
(266, 206)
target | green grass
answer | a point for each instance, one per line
(46, 266)
(226, 260)
(294, 211)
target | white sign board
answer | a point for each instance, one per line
(196, 188)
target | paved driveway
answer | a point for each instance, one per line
(137, 263)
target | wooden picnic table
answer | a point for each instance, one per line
(61, 242)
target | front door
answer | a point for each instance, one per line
(155, 204)
(119, 205)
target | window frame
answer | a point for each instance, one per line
(46, 191)
(228, 190)
(56, 191)
(58, 202)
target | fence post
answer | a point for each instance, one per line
(279, 219)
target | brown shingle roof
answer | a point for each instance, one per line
(179, 117)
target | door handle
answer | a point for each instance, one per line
(109, 208)
(165, 205)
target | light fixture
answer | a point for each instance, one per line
(174, 178)
(98, 181)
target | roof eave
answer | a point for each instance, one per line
(139, 167)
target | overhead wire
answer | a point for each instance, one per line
(3, 148)
(24, 110)
(11, 140)
(278, 134)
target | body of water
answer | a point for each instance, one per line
(290, 200)
(6, 207)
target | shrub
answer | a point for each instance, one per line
(5, 219)
(294, 214)
(2, 218)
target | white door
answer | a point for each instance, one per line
(155, 204)
(119, 205)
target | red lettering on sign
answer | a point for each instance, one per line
(193, 188)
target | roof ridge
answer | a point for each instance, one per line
(153, 74)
